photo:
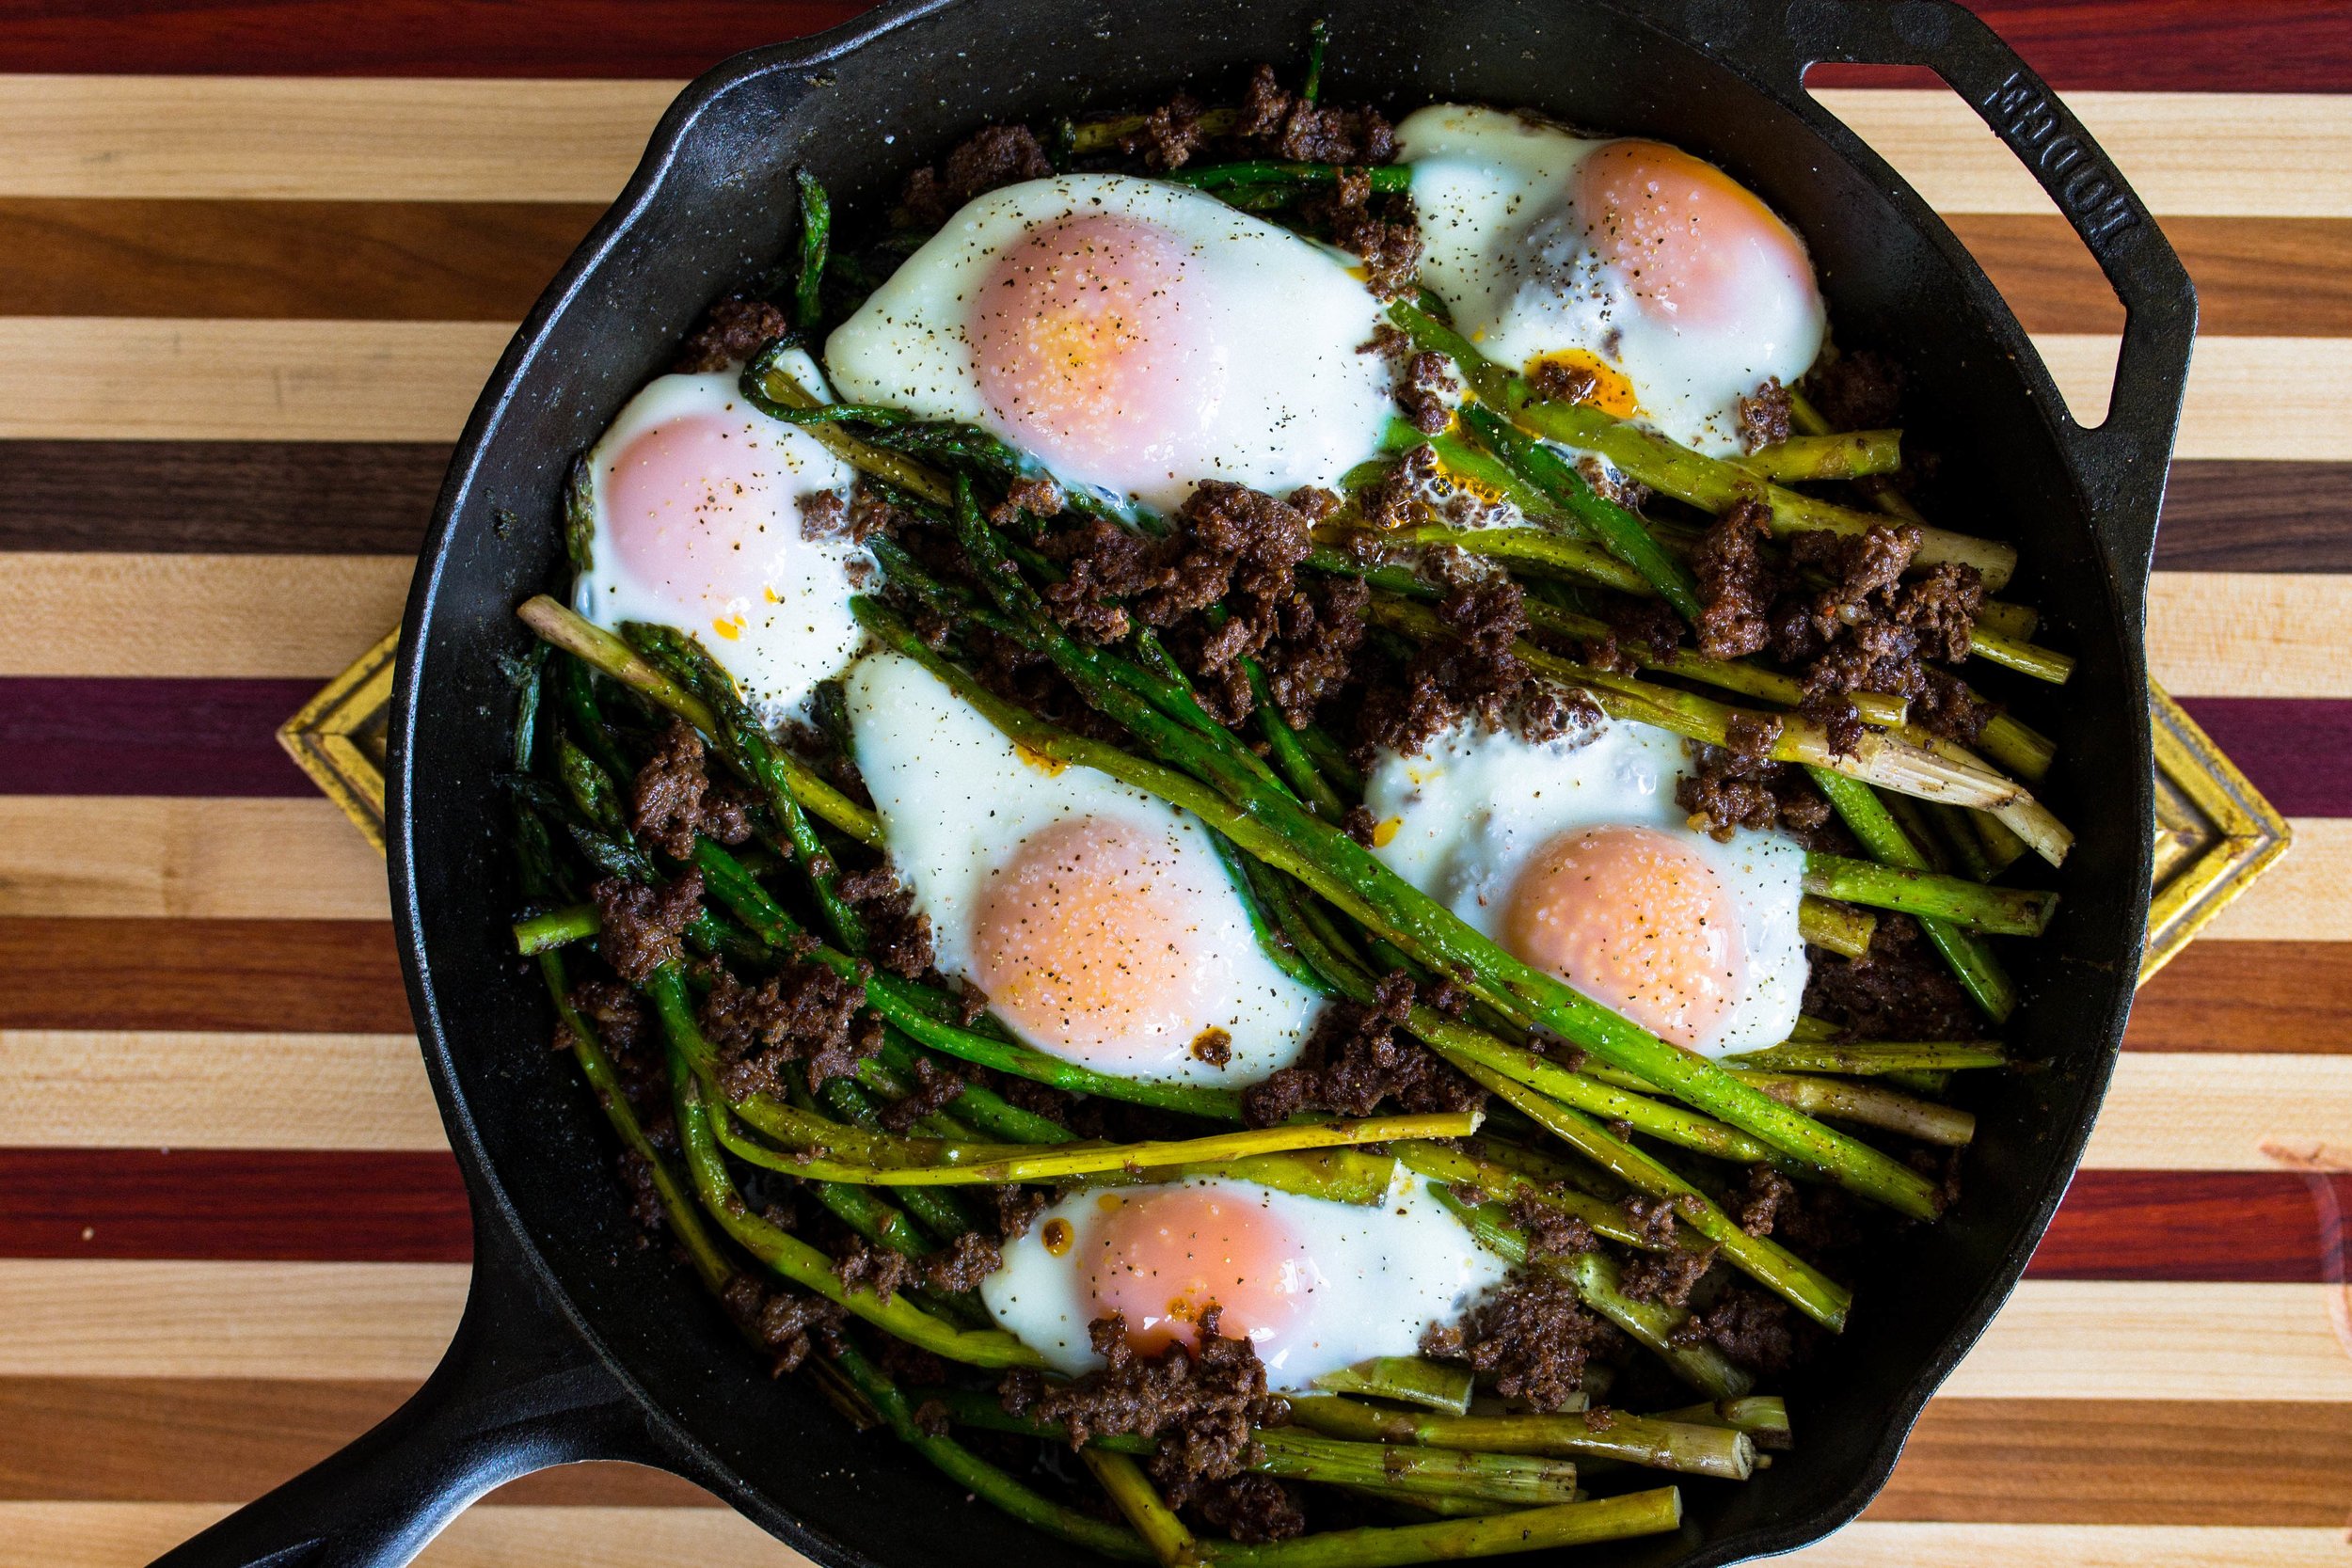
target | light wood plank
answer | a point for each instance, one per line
(368, 140)
(120, 1317)
(1870, 1544)
(2056, 1339)
(125, 1535)
(2250, 634)
(2279, 399)
(146, 855)
(2225, 155)
(2214, 1111)
(112, 378)
(94, 378)
(2079, 1339)
(2249, 154)
(238, 616)
(65, 1089)
(2302, 897)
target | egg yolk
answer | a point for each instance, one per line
(1635, 919)
(1692, 244)
(1084, 942)
(687, 508)
(1162, 1260)
(1088, 350)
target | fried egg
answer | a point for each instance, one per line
(1134, 336)
(1665, 287)
(699, 507)
(1572, 854)
(1100, 922)
(1314, 1285)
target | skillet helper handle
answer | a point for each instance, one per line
(2123, 460)
(517, 1391)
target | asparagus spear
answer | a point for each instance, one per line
(1693, 1449)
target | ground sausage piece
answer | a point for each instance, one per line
(1388, 241)
(1251, 1509)
(803, 1013)
(1735, 583)
(1898, 992)
(672, 798)
(1760, 1330)
(897, 936)
(1668, 1277)
(1533, 1336)
(1764, 416)
(1354, 1060)
(789, 1323)
(637, 928)
(732, 331)
(1549, 1232)
(1861, 390)
(992, 157)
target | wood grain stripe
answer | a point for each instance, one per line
(487, 262)
(118, 856)
(284, 497)
(92, 1088)
(203, 1439)
(373, 498)
(243, 616)
(302, 976)
(60, 737)
(162, 1440)
(356, 261)
(184, 1089)
(2248, 634)
(344, 977)
(119, 1318)
(2226, 154)
(72, 378)
(2297, 752)
(2256, 518)
(106, 378)
(275, 1205)
(2252, 46)
(128, 1534)
(2242, 996)
(366, 1206)
(1869, 1544)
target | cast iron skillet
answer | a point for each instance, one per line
(580, 1343)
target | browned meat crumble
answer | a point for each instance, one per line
(1354, 1060)
(1534, 1338)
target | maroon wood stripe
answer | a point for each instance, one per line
(2297, 751)
(2188, 45)
(366, 498)
(126, 736)
(287, 977)
(282, 1205)
(2248, 996)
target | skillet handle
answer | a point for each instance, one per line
(517, 1391)
(2121, 462)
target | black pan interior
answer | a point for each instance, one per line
(722, 207)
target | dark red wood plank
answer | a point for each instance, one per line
(93, 736)
(288, 497)
(293, 976)
(2191, 45)
(2297, 751)
(376, 1207)
(2248, 996)
(2219, 1226)
(2157, 46)
(226, 1205)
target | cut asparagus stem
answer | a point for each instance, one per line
(1706, 483)
(1850, 454)
(1527, 1529)
(1505, 1478)
(1762, 1416)
(815, 240)
(1172, 1545)
(1457, 1167)
(2003, 912)
(607, 652)
(1407, 1379)
(1870, 1106)
(1965, 953)
(1385, 178)
(771, 389)
(1277, 830)
(1693, 1449)
(2026, 658)
(1841, 927)
(1871, 1059)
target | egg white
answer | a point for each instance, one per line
(1503, 247)
(957, 797)
(772, 606)
(1376, 1276)
(1295, 403)
(1461, 818)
